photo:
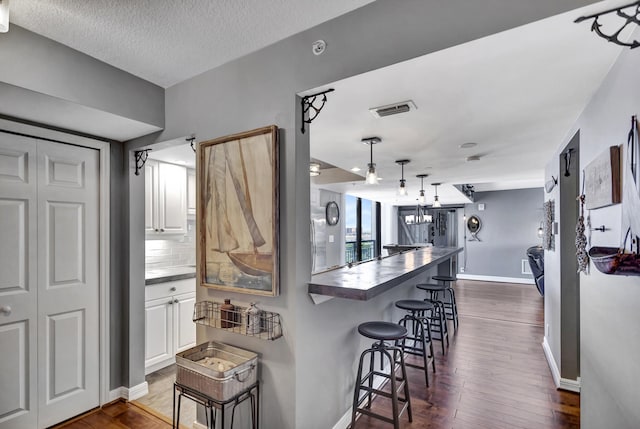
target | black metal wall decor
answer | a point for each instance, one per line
(141, 158)
(632, 17)
(309, 111)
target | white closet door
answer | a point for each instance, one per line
(68, 281)
(18, 285)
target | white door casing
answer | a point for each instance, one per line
(53, 272)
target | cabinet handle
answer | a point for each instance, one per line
(176, 301)
(170, 303)
(173, 289)
(156, 230)
(161, 229)
(6, 310)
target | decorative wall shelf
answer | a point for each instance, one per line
(208, 313)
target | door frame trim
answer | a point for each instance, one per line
(103, 149)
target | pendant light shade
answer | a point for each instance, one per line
(436, 201)
(421, 198)
(371, 177)
(4, 16)
(402, 190)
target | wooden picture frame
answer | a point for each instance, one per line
(238, 212)
(602, 180)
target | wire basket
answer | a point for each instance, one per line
(209, 313)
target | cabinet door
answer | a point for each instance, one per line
(185, 328)
(172, 198)
(158, 333)
(191, 192)
(151, 196)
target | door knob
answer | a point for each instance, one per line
(6, 310)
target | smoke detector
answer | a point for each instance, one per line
(393, 109)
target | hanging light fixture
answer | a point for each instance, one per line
(422, 199)
(402, 190)
(436, 202)
(4, 16)
(371, 177)
(314, 169)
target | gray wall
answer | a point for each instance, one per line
(50, 69)
(301, 389)
(568, 206)
(510, 223)
(609, 316)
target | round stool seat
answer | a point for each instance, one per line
(382, 330)
(444, 278)
(414, 305)
(431, 287)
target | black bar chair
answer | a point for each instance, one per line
(451, 309)
(438, 318)
(381, 332)
(416, 321)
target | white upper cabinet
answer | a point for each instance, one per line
(165, 199)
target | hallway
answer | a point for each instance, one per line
(494, 375)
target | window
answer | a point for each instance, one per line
(362, 225)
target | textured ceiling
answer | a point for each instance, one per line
(168, 41)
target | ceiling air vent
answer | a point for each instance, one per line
(393, 109)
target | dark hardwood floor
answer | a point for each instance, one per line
(494, 375)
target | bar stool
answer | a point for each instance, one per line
(450, 305)
(381, 332)
(438, 317)
(417, 319)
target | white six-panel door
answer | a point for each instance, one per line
(49, 221)
(18, 282)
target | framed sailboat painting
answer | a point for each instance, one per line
(237, 212)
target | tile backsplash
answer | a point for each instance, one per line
(171, 253)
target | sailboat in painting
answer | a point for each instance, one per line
(238, 207)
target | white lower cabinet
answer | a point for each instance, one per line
(169, 327)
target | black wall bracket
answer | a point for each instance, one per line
(629, 17)
(141, 158)
(309, 111)
(191, 141)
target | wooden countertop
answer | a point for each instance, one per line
(369, 279)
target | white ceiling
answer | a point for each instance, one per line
(516, 94)
(168, 41)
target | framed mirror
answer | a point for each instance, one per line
(332, 213)
(474, 225)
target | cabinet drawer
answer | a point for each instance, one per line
(168, 289)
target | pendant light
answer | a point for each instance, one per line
(314, 169)
(436, 202)
(371, 177)
(402, 190)
(422, 199)
(4, 16)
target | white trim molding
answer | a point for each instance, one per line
(462, 276)
(129, 393)
(561, 383)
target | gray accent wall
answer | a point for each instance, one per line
(609, 316)
(510, 222)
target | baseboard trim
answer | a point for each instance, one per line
(345, 420)
(561, 383)
(129, 393)
(496, 279)
(197, 425)
(114, 395)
